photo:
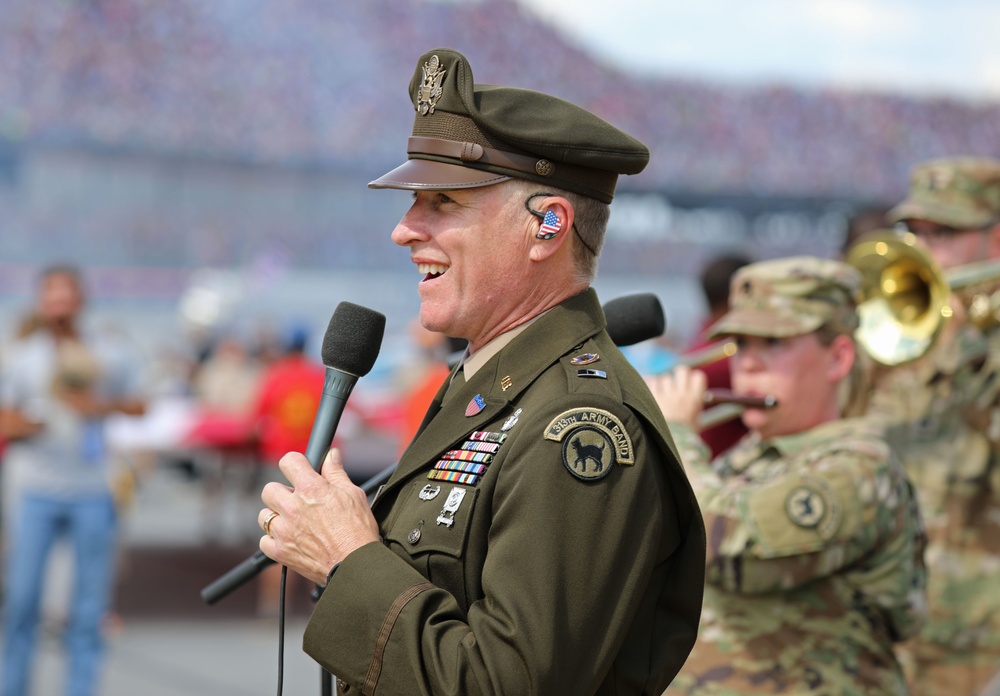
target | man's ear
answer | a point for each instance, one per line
(553, 228)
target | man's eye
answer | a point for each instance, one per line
(773, 341)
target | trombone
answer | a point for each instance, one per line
(905, 295)
(722, 404)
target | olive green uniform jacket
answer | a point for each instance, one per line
(573, 563)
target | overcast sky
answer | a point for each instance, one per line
(941, 47)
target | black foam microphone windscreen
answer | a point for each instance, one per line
(634, 318)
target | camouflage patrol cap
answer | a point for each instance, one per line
(467, 135)
(791, 296)
(960, 192)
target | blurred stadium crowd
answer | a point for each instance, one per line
(312, 81)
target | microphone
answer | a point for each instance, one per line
(634, 318)
(350, 348)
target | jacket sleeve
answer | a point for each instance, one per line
(567, 566)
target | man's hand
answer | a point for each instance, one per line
(321, 518)
(680, 394)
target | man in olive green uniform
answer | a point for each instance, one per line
(946, 418)
(538, 535)
(815, 544)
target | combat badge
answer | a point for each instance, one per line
(512, 421)
(592, 439)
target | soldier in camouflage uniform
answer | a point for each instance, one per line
(814, 566)
(945, 421)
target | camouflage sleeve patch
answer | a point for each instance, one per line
(800, 514)
(592, 441)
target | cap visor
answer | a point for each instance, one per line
(957, 217)
(762, 322)
(419, 174)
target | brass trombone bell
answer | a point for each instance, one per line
(905, 294)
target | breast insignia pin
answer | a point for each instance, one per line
(451, 505)
(585, 359)
(511, 422)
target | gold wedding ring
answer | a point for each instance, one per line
(267, 522)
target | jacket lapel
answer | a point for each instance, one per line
(518, 365)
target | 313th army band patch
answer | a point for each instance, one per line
(593, 440)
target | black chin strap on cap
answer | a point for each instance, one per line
(541, 216)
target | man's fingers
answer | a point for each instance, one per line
(333, 466)
(296, 468)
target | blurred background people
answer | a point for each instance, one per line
(59, 383)
(815, 547)
(944, 412)
(714, 280)
(424, 376)
(281, 416)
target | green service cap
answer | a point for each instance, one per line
(790, 297)
(960, 192)
(467, 135)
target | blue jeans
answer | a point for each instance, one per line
(91, 527)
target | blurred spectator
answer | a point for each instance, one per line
(287, 397)
(282, 415)
(227, 379)
(430, 369)
(714, 280)
(59, 384)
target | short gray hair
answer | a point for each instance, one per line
(590, 224)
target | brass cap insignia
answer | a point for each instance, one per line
(430, 90)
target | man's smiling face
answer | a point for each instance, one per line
(471, 246)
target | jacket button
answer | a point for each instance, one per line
(414, 536)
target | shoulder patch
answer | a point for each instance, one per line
(807, 507)
(797, 515)
(598, 420)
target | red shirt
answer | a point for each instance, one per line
(286, 404)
